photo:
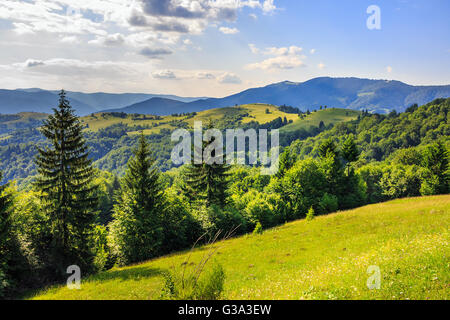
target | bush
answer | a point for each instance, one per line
(311, 214)
(328, 203)
(258, 229)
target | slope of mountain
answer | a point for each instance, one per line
(103, 101)
(36, 100)
(154, 106)
(379, 96)
(326, 258)
(39, 100)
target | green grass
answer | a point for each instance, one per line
(256, 112)
(327, 116)
(326, 258)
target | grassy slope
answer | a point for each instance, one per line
(326, 258)
(327, 116)
(257, 112)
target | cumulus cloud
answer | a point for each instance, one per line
(30, 63)
(164, 75)
(321, 66)
(281, 62)
(283, 58)
(229, 78)
(154, 53)
(226, 30)
(109, 40)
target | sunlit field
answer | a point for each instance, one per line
(326, 258)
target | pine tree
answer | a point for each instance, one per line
(136, 230)
(331, 165)
(350, 152)
(65, 176)
(207, 182)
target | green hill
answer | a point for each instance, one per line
(328, 116)
(112, 135)
(326, 258)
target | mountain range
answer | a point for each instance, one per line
(39, 100)
(381, 96)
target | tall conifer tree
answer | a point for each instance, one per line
(65, 176)
(136, 230)
(207, 182)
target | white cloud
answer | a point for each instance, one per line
(226, 30)
(229, 78)
(283, 58)
(389, 69)
(253, 48)
(312, 51)
(281, 62)
(269, 6)
(164, 74)
(109, 40)
(321, 66)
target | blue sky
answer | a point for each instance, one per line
(217, 47)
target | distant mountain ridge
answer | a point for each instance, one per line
(39, 100)
(381, 96)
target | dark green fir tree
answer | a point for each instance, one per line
(65, 181)
(136, 228)
(207, 182)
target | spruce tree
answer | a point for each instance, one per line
(350, 152)
(65, 176)
(136, 229)
(207, 182)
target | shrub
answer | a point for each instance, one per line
(310, 215)
(328, 203)
(258, 229)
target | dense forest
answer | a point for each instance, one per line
(74, 210)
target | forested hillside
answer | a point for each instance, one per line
(74, 213)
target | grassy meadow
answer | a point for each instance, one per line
(326, 258)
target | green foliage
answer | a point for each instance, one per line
(65, 175)
(191, 287)
(302, 187)
(207, 182)
(328, 203)
(6, 251)
(311, 214)
(136, 231)
(436, 159)
(350, 152)
(287, 161)
(378, 136)
(258, 229)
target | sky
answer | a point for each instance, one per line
(214, 48)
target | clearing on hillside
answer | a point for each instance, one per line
(326, 258)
